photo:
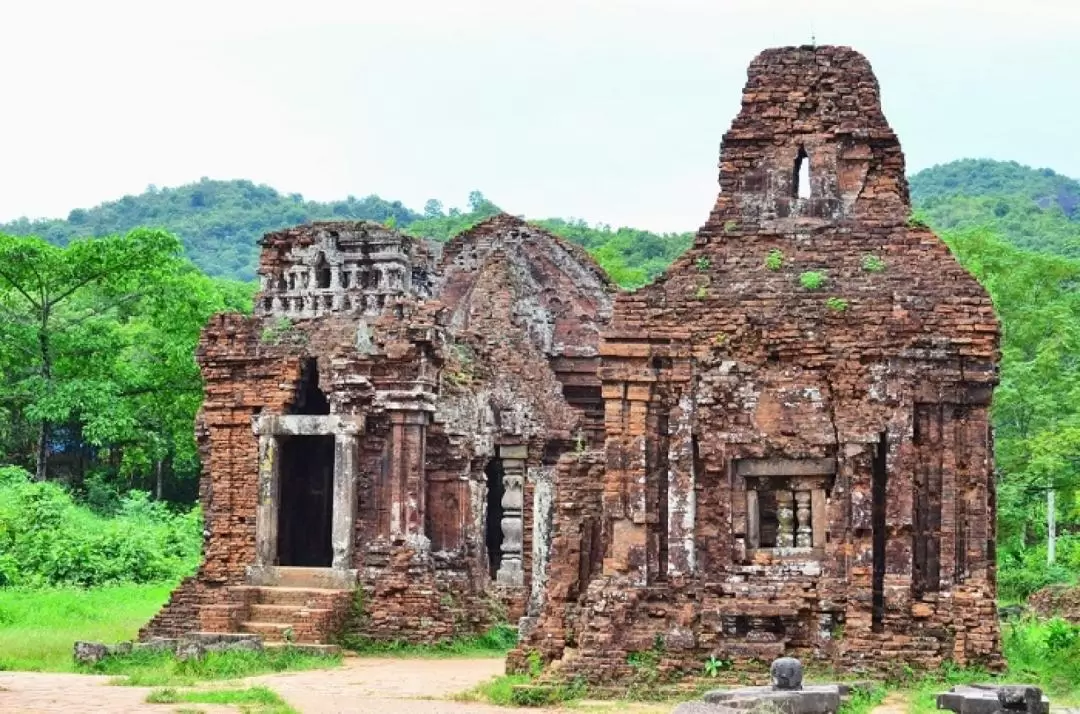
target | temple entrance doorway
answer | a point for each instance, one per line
(493, 526)
(305, 511)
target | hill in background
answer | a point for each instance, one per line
(1034, 209)
(220, 222)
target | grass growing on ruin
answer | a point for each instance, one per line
(496, 642)
(257, 700)
(38, 627)
(162, 669)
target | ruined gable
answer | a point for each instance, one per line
(557, 296)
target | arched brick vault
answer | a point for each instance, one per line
(785, 464)
(432, 370)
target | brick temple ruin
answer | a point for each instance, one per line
(386, 421)
(782, 446)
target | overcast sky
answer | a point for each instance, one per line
(606, 110)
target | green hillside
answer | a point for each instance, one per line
(1035, 209)
(219, 222)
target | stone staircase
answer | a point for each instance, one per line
(294, 610)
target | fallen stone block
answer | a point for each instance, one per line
(91, 652)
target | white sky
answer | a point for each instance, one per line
(606, 110)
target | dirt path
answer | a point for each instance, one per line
(894, 703)
(393, 686)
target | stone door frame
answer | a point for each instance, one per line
(269, 429)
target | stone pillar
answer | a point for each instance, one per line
(804, 532)
(785, 517)
(511, 571)
(343, 529)
(408, 485)
(266, 512)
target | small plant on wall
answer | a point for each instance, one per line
(873, 264)
(713, 666)
(837, 304)
(774, 260)
(703, 263)
(812, 279)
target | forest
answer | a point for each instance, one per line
(100, 315)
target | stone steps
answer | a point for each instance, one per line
(269, 631)
(277, 613)
(292, 596)
(306, 647)
(310, 615)
(289, 576)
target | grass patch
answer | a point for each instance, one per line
(38, 627)
(496, 642)
(497, 690)
(162, 669)
(252, 699)
(862, 701)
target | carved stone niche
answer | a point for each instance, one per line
(786, 502)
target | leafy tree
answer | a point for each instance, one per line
(433, 208)
(54, 300)
(1036, 409)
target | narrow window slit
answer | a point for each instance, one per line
(878, 495)
(800, 177)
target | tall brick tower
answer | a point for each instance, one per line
(798, 455)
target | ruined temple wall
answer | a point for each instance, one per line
(878, 380)
(575, 553)
(239, 384)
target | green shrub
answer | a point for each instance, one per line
(774, 260)
(1023, 570)
(872, 263)
(837, 304)
(812, 280)
(47, 539)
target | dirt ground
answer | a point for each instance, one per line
(375, 686)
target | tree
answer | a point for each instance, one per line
(1036, 410)
(433, 208)
(53, 300)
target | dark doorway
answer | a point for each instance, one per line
(879, 494)
(310, 399)
(306, 506)
(494, 533)
(322, 272)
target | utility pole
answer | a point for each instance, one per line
(1051, 526)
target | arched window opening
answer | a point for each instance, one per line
(309, 398)
(322, 272)
(800, 178)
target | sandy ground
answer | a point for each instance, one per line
(375, 686)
